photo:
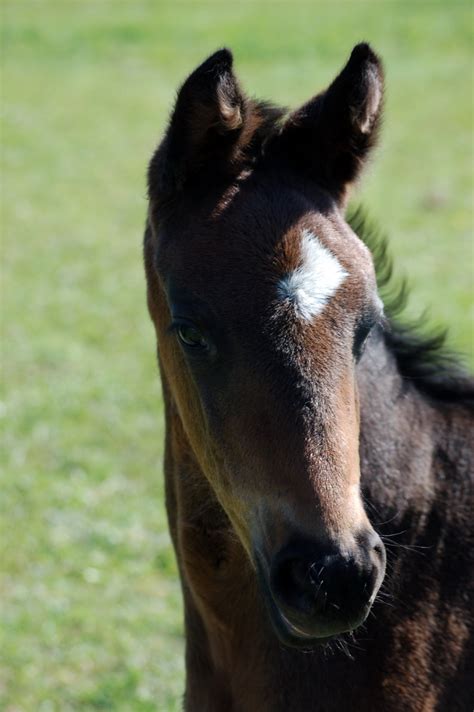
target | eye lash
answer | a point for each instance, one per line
(178, 322)
(173, 327)
(362, 333)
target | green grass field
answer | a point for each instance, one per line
(91, 605)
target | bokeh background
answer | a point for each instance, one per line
(91, 607)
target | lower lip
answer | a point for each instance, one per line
(303, 636)
(294, 629)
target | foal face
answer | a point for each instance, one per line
(265, 299)
(267, 311)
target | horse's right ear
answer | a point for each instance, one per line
(204, 128)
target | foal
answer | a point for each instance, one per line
(294, 409)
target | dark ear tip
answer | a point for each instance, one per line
(225, 56)
(220, 62)
(362, 53)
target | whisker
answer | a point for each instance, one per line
(389, 536)
(387, 521)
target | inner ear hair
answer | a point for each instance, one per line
(352, 106)
(229, 105)
(366, 114)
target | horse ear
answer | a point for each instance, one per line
(331, 136)
(204, 126)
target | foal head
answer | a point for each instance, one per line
(262, 298)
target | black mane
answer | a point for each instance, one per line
(422, 355)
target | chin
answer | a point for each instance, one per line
(296, 635)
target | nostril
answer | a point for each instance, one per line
(298, 573)
(378, 548)
(294, 582)
(372, 543)
(289, 575)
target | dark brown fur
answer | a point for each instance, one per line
(230, 186)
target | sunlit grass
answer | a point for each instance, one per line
(90, 598)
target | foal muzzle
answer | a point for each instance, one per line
(313, 594)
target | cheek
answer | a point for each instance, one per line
(203, 423)
(175, 371)
(184, 393)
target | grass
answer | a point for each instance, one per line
(90, 600)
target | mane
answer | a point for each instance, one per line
(421, 352)
(269, 121)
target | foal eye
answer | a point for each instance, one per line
(190, 336)
(360, 339)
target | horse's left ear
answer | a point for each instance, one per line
(330, 137)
